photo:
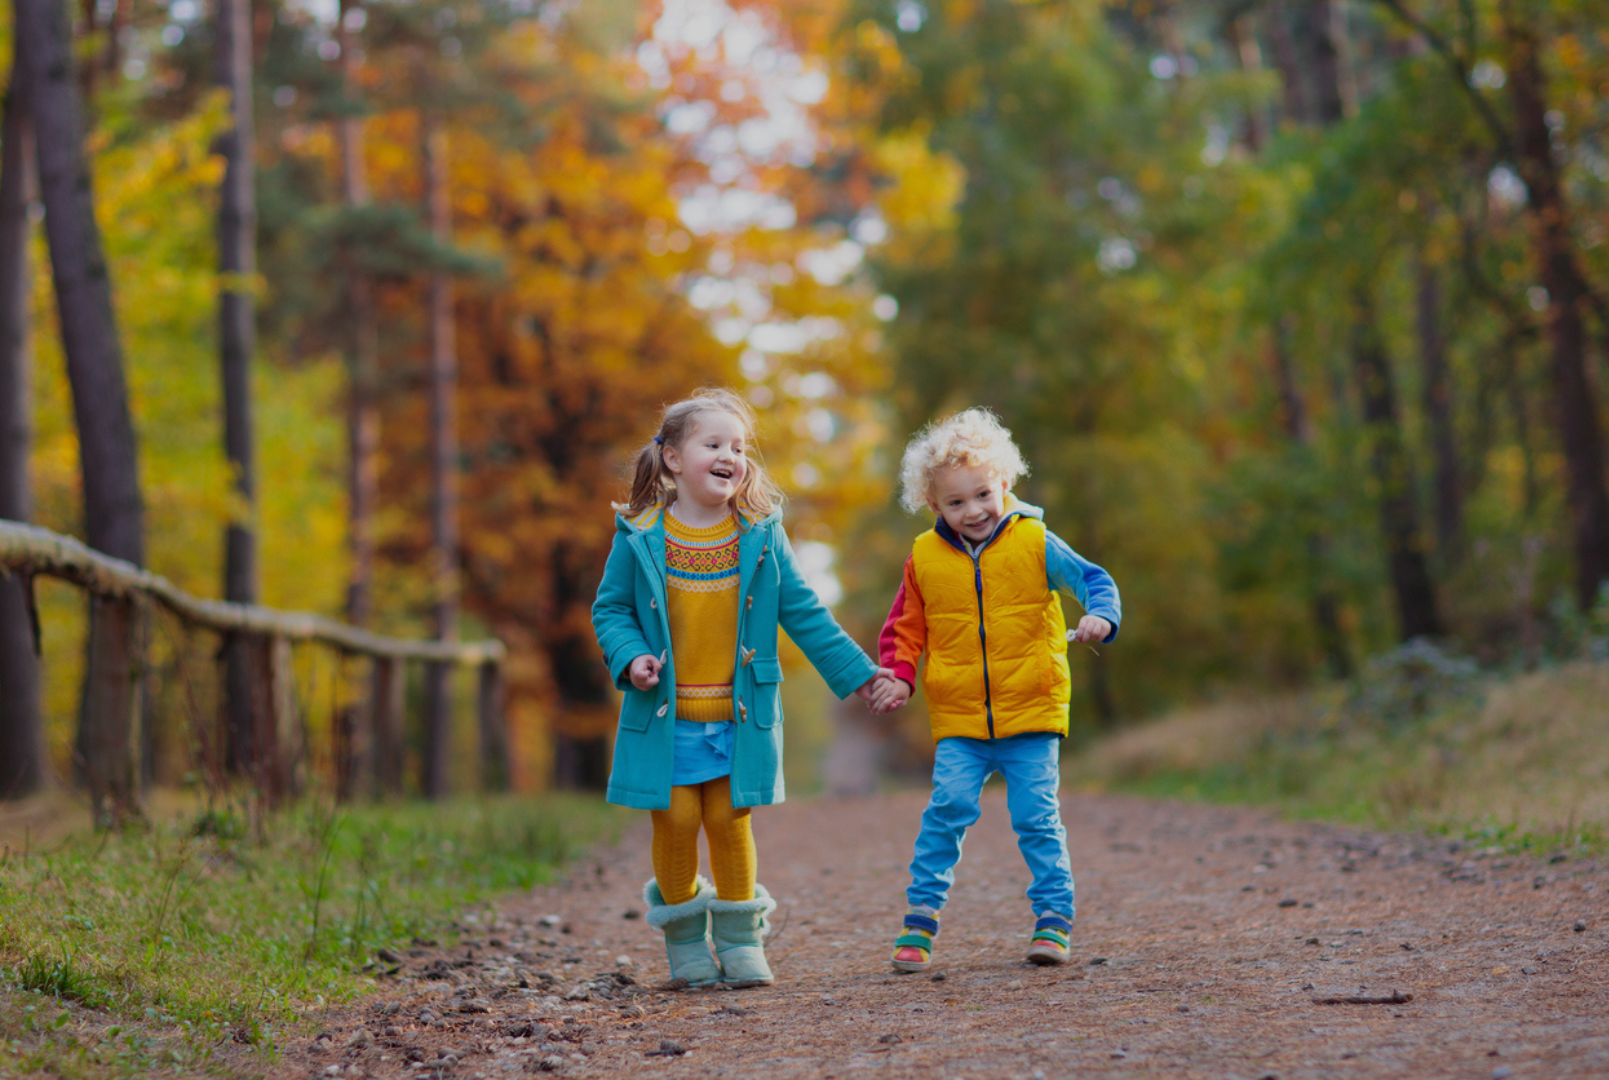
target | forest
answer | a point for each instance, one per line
(1299, 310)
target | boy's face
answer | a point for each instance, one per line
(970, 499)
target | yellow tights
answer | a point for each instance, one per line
(727, 830)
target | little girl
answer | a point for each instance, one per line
(699, 578)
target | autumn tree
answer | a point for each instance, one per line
(113, 504)
(21, 725)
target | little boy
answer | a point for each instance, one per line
(980, 598)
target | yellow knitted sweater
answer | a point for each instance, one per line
(702, 574)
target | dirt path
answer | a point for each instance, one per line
(1208, 943)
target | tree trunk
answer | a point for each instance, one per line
(237, 235)
(443, 460)
(114, 510)
(1448, 501)
(1332, 61)
(1242, 41)
(22, 740)
(1417, 614)
(1283, 46)
(1326, 603)
(1568, 297)
(362, 417)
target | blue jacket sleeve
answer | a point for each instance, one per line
(1067, 571)
(614, 614)
(842, 663)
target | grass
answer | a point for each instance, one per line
(147, 951)
(1520, 763)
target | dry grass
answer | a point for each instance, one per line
(1523, 761)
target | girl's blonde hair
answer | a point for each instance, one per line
(972, 438)
(653, 484)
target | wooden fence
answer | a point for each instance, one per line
(371, 733)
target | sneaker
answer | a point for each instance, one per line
(1049, 944)
(913, 949)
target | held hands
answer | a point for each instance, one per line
(1091, 628)
(884, 692)
(644, 671)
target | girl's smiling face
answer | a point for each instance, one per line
(709, 465)
(970, 499)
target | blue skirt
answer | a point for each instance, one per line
(703, 751)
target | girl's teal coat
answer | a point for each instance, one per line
(629, 619)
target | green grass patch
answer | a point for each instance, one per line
(1518, 762)
(212, 930)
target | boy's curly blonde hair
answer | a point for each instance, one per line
(972, 437)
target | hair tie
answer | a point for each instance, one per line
(660, 439)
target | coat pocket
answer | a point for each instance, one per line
(640, 710)
(767, 702)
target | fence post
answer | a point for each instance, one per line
(111, 709)
(352, 731)
(494, 763)
(385, 724)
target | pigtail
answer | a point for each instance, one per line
(650, 481)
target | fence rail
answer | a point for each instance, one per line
(369, 755)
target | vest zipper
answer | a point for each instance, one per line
(983, 640)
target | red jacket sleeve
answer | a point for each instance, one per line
(904, 635)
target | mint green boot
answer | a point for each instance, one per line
(738, 927)
(687, 932)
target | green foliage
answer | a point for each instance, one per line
(222, 922)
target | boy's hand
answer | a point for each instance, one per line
(867, 691)
(644, 671)
(890, 694)
(1092, 628)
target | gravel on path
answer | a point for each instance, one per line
(1210, 942)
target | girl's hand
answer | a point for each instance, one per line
(1092, 628)
(890, 694)
(644, 671)
(875, 689)
(868, 691)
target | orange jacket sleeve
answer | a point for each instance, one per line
(904, 635)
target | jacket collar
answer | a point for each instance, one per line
(1014, 509)
(652, 520)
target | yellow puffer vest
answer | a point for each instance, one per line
(996, 636)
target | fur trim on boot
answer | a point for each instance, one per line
(687, 932)
(738, 927)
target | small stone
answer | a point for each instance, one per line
(550, 920)
(1580, 925)
(427, 1017)
(1097, 961)
(580, 993)
(631, 1012)
(631, 913)
(668, 1049)
(889, 1039)
(360, 1038)
(1182, 1008)
(938, 976)
(1528, 971)
(551, 1063)
(622, 960)
(389, 957)
(1502, 1072)
(1288, 902)
(392, 1031)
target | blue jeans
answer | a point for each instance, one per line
(1029, 765)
